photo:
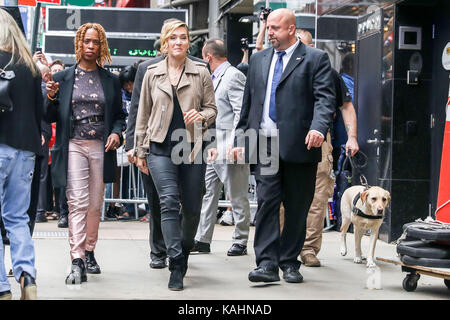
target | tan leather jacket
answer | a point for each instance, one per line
(155, 111)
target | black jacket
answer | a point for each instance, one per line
(60, 111)
(305, 100)
(21, 128)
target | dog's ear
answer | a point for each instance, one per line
(364, 196)
(388, 197)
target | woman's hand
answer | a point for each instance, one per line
(113, 142)
(52, 88)
(192, 116)
(130, 156)
(141, 163)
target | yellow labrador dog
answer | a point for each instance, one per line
(365, 209)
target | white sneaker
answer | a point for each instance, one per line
(227, 219)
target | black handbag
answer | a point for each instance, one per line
(6, 104)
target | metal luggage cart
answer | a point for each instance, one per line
(414, 272)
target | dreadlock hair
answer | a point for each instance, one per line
(105, 56)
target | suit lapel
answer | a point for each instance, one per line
(297, 57)
(220, 78)
(266, 61)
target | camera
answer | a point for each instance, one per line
(245, 45)
(266, 12)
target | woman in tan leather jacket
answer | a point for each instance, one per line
(176, 106)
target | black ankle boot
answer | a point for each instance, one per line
(27, 287)
(185, 261)
(78, 273)
(91, 263)
(177, 272)
(5, 295)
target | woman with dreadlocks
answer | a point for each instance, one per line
(85, 101)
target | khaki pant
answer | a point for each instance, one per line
(318, 209)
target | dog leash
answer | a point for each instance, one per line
(362, 177)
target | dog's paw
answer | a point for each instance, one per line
(370, 264)
(343, 251)
(357, 260)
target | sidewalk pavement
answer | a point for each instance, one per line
(123, 254)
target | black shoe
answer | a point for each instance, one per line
(292, 275)
(112, 213)
(237, 250)
(40, 217)
(201, 247)
(63, 221)
(5, 295)
(177, 272)
(27, 287)
(91, 264)
(158, 263)
(264, 274)
(78, 273)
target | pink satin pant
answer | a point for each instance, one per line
(85, 191)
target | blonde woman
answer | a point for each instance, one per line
(20, 142)
(85, 102)
(177, 93)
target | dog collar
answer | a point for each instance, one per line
(358, 211)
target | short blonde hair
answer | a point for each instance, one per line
(167, 30)
(105, 56)
(13, 41)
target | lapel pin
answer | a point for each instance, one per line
(299, 58)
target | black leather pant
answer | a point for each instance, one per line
(178, 185)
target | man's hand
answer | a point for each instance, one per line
(352, 145)
(130, 156)
(42, 140)
(192, 116)
(52, 88)
(212, 155)
(113, 142)
(141, 163)
(313, 140)
(39, 56)
(236, 153)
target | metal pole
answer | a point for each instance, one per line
(315, 28)
(213, 27)
(266, 38)
(37, 17)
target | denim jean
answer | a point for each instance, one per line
(16, 174)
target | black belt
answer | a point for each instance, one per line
(92, 119)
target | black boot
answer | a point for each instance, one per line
(185, 260)
(27, 287)
(177, 272)
(78, 273)
(63, 221)
(91, 263)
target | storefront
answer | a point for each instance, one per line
(401, 91)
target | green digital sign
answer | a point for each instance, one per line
(119, 47)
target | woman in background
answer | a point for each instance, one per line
(20, 143)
